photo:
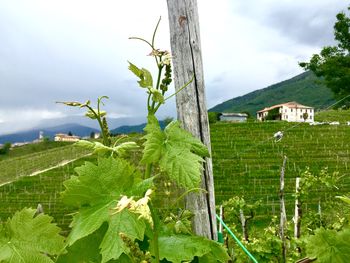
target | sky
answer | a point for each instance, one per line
(75, 50)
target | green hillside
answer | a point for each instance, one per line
(304, 88)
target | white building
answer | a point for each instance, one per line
(61, 137)
(290, 111)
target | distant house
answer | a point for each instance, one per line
(290, 111)
(62, 137)
(233, 117)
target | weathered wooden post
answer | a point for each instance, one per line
(283, 218)
(191, 105)
(297, 209)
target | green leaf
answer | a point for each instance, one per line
(125, 222)
(26, 238)
(344, 199)
(143, 74)
(92, 116)
(155, 139)
(157, 95)
(146, 80)
(188, 247)
(105, 181)
(74, 253)
(134, 69)
(182, 166)
(96, 191)
(182, 137)
(179, 154)
(329, 246)
(124, 147)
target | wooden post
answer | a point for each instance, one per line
(283, 218)
(243, 220)
(297, 209)
(191, 105)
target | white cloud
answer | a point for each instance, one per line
(18, 119)
(78, 50)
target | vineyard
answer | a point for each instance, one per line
(30, 163)
(247, 161)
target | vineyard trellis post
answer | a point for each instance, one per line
(191, 105)
(283, 218)
(297, 209)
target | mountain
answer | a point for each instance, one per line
(30, 135)
(305, 88)
(134, 128)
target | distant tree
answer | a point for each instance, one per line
(70, 133)
(305, 116)
(213, 116)
(5, 148)
(167, 120)
(46, 139)
(273, 114)
(92, 135)
(333, 62)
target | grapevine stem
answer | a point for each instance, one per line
(148, 171)
(184, 86)
(98, 118)
(156, 222)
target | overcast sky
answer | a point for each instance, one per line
(54, 50)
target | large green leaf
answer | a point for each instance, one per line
(155, 139)
(92, 254)
(122, 222)
(179, 248)
(96, 191)
(181, 137)
(329, 246)
(26, 238)
(182, 166)
(178, 153)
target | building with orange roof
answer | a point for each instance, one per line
(291, 111)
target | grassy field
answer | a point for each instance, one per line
(247, 160)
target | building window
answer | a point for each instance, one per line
(286, 116)
(301, 116)
(291, 110)
(310, 117)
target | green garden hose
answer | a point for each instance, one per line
(237, 240)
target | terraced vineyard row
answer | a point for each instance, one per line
(13, 168)
(247, 160)
(42, 189)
